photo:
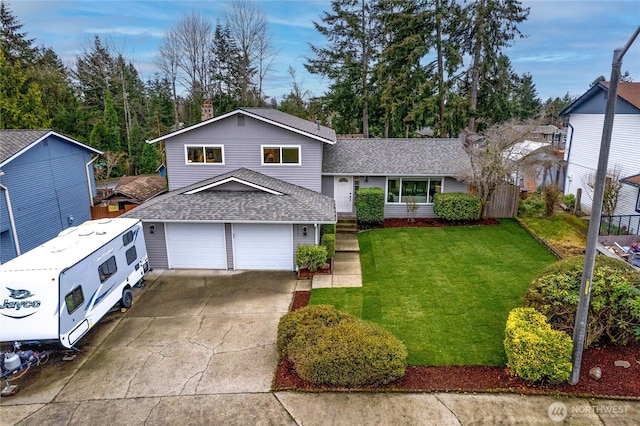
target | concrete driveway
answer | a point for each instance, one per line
(198, 348)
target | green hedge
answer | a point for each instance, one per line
(534, 350)
(370, 207)
(331, 347)
(328, 228)
(614, 308)
(457, 206)
(311, 257)
(328, 241)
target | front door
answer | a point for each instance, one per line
(343, 193)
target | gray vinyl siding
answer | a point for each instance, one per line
(49, 192)
(242, 148)
(300, 238)
(228, 238)
(453, 185)
(156, 245)
(327, 186)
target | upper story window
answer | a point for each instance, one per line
(285, 154)
(204, 154)
(420, 190)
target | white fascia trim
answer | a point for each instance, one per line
(247, 113)
(233, 179)
(253, 222)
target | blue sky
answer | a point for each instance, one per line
(569, 42)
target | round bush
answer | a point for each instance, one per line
(535, 351)
(614, 308)
(331, 347)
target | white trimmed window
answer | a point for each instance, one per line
(420, 190)
(281, 154)
(204, 154)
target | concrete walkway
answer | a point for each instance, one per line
(346, 270)
(199, 348)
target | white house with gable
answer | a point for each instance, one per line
(586, 121)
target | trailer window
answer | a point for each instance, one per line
(132, 255)
(127, 238)
(107, 269)
(74, 299)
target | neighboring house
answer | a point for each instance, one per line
(586, 121)
(246, 188)
(133, 190)
(46, 185)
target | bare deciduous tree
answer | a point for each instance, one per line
(250, 30)
(612, 187)
(490, 154)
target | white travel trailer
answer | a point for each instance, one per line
(56, 292)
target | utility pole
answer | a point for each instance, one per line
(580, 325)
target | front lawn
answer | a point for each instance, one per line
(446, 292)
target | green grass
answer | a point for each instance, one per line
(565, 232)
(445, 292)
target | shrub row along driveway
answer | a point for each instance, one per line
(445, 292)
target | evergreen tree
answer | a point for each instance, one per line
(346, 61)
(15, 45)
(527, 99)
(20, 99)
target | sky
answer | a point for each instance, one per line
(568, 44)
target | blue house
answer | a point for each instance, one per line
(46, 185)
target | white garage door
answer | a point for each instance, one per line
(196, 245)
(268, 247)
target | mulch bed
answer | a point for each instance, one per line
(616, 382)
(305, 274)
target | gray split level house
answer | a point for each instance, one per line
(246, 188)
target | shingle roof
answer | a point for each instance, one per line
(417, 156)
(295, 205)
(139, 188)
(272, 116)
(628, 91)
(632, 180)
(14, 142)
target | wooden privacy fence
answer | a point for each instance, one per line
(101, 212)
(504, 201)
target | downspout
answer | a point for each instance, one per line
(11, 219)
(315, 231)
(566, 170)
(86, 166)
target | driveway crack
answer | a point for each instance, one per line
(447, 407)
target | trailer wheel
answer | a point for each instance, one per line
(127, 299)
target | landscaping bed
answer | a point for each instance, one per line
(433, 222)
(616, 382)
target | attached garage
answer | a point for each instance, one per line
(263, 246)
(196, 245)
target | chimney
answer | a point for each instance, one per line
(206, 111)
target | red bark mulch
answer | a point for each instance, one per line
(616, 382)
(305, 274)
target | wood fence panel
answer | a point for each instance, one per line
(504, 201)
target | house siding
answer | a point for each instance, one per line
(228, 238)
(49, 192)
(300, 238)
(156, 245)
(582, 157)
(242, 148)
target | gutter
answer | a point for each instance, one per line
(566, 170)
(86, 166)
(11, 219)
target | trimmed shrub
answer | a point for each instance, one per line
(328, 228)
(457, 206)
(306, 322)
(328, 241)
(534, 350)
(311, 257)
(370, 207)
(614, 308)
(331, 347)
(533, 205)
